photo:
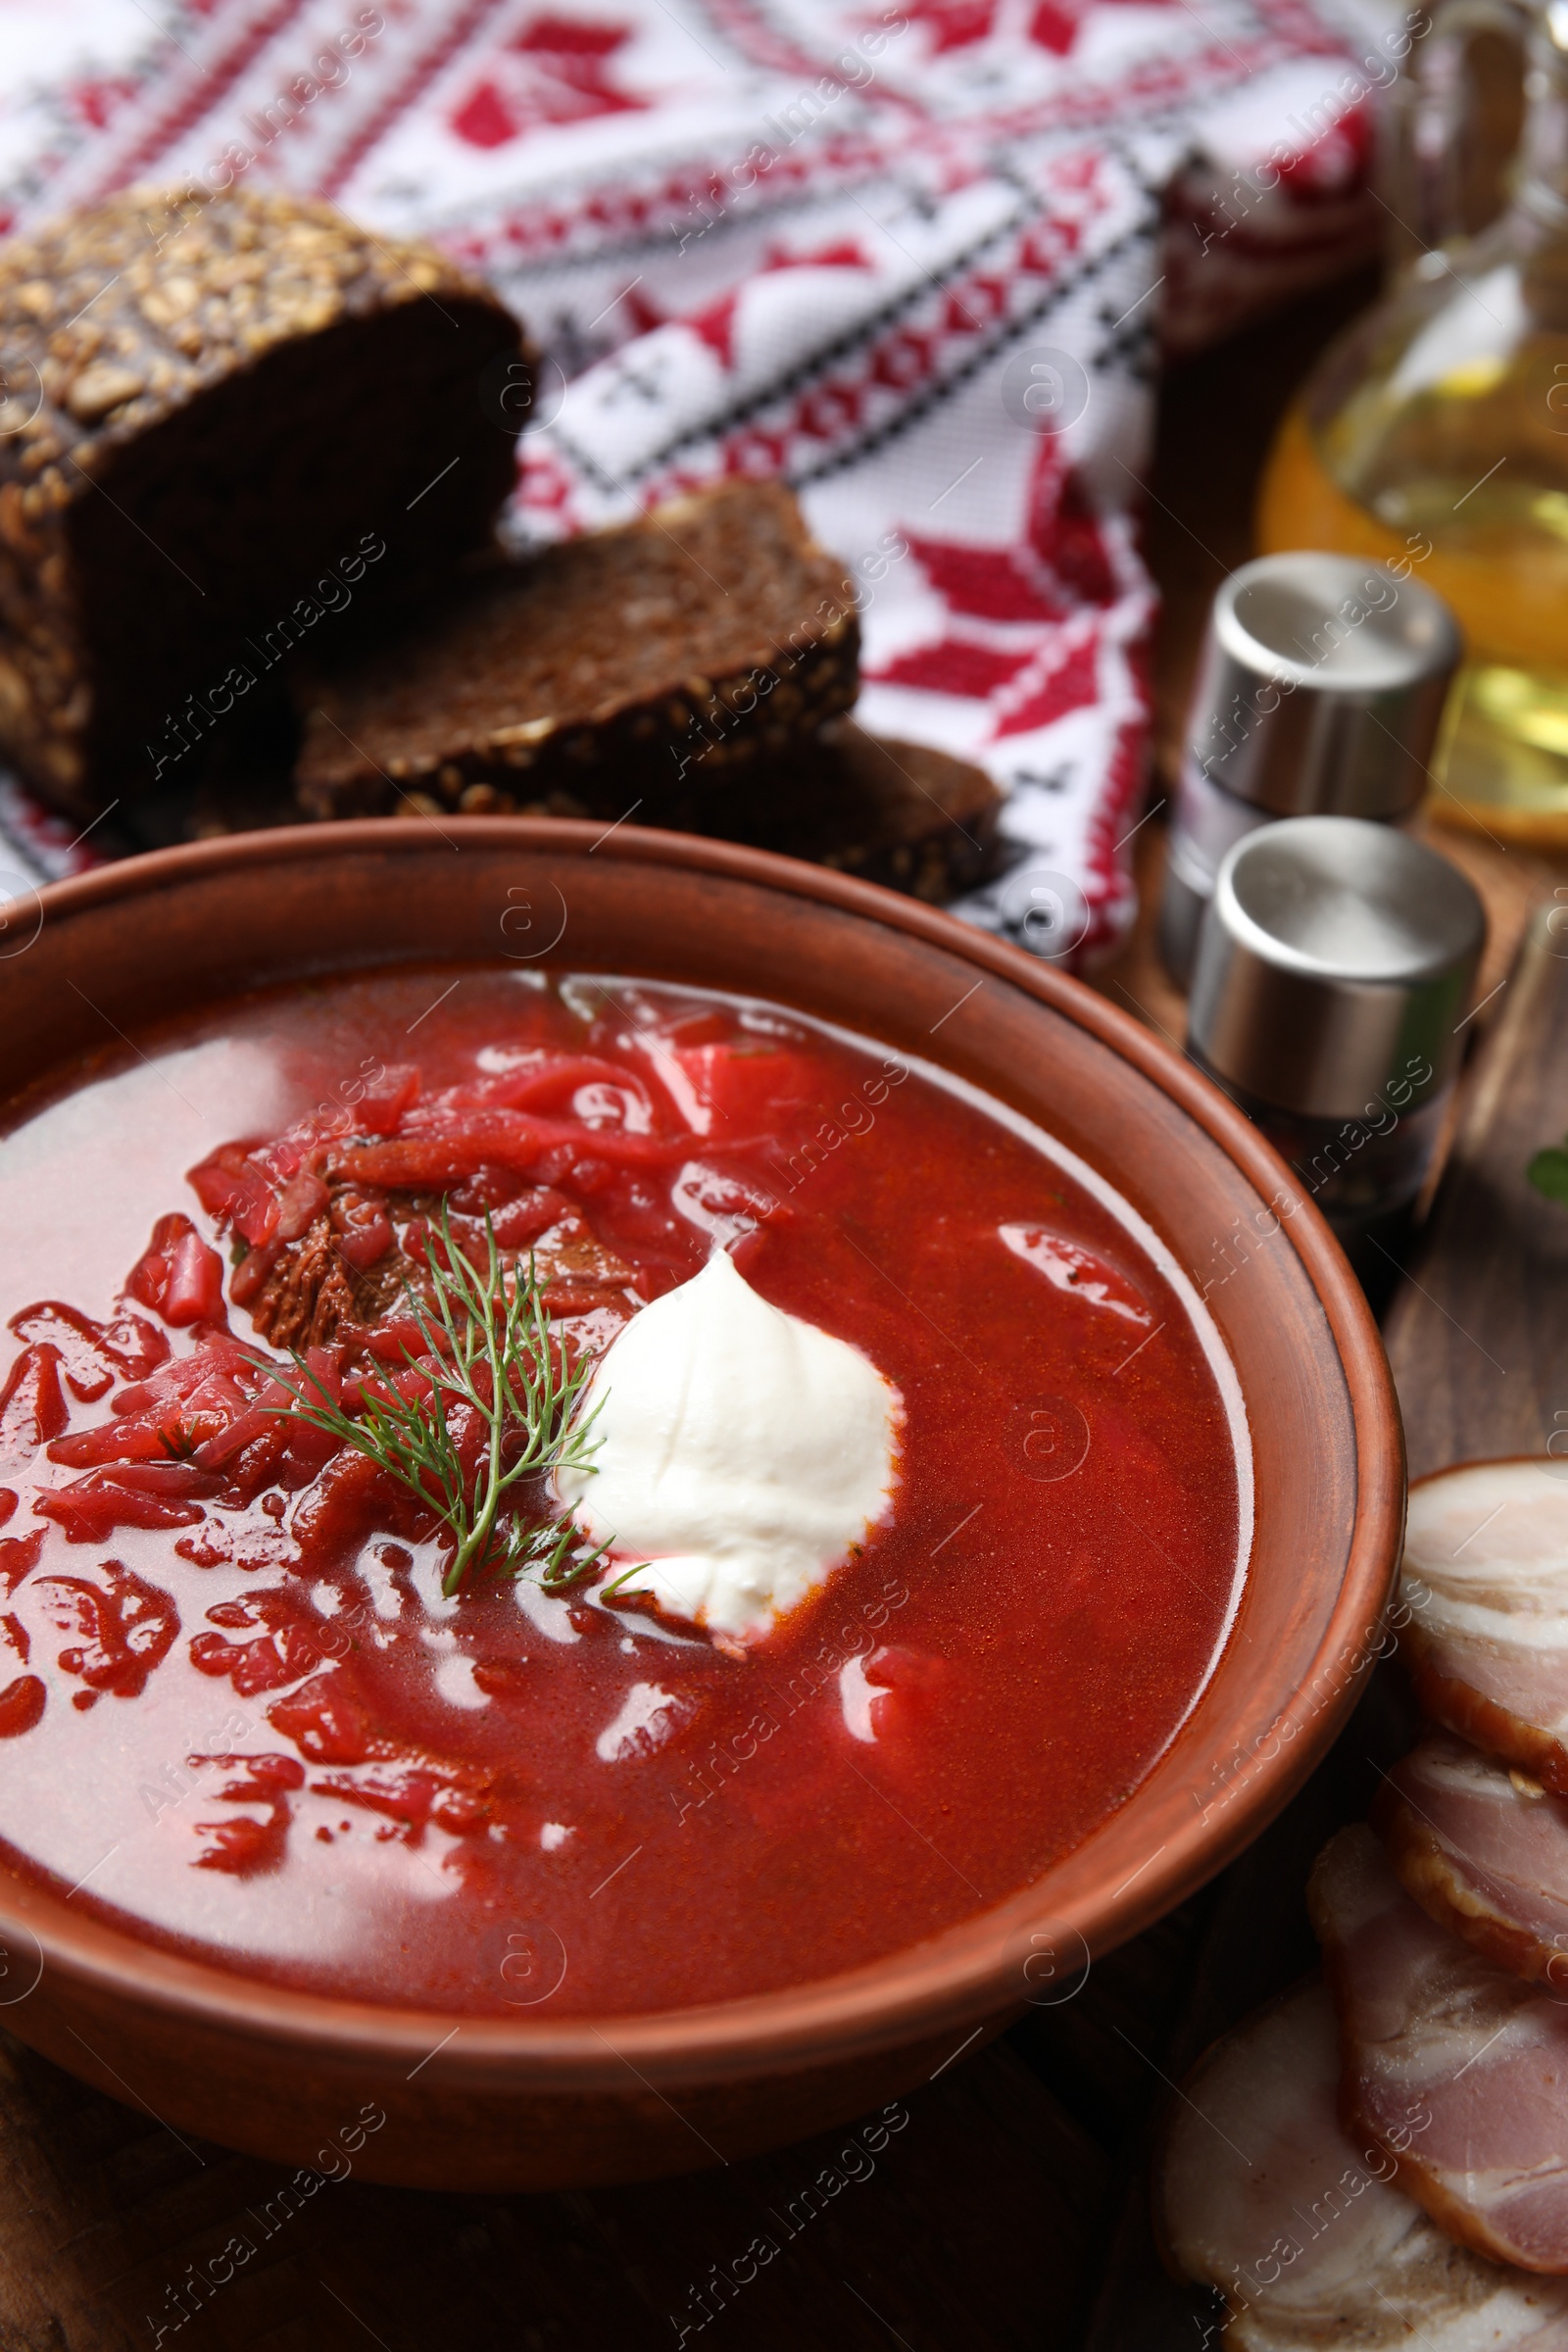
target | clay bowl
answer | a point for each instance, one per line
(533, 2104)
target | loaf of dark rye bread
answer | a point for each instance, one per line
(707, 636)
(226, 419)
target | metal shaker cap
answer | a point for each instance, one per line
(1321, 686)
(1337, 957)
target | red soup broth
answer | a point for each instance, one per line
(237, 1716)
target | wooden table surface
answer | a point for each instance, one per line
(1007, 2209)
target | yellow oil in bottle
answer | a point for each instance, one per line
(1497, 550)
(1433, 437)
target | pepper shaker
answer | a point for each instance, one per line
(1334, 975)
(1319, 692)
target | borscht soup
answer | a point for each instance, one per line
(558, 1494)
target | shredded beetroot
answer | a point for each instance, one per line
(180, 1276)
(244, 1846)
(22, 1706)
(18, 1556)
(456, 1145)
(381, 1106)
(90, 1508)
(122, 1629)
(231, 1188)
(32, 1409)
(324, 1720)
(93, 1355)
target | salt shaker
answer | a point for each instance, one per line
(1319, 692)
(1332, 980)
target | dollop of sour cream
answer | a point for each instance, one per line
(741, 1453)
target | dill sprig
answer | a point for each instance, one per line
(489, 1348)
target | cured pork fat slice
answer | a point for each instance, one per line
(1262, 2194)
(1456, 2067)
(1485, 1594)
(1484, 1849)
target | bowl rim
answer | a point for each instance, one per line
(918, 1990)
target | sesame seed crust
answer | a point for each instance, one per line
(205, 401)
(123, 314)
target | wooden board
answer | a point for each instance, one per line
(962, 2217)
(1478, 1337)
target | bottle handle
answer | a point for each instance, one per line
(1452, 123)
